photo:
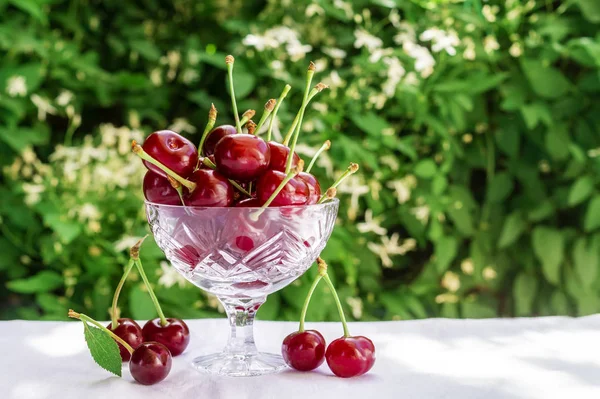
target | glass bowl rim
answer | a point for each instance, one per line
(312, 206)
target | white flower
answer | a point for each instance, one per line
(490, 44)
(516, 49)
(421, 213)
(182, 125)
(356, 305)
(314, 9)
(343, 5)
(489, 273)
(28, 155)
(377, 54)
(390, 161)
(334, 80)
(411, 79)
(446, 298)
(490, 12)
(403, 187)
(441, 40)
(354, 186)
(156, 77)
(189, 76)
(170, 276)
(469, 53)
(467, 266)
(16, 86)
(394, 18)
(406, 33)
(424, 61)
(64, 98)
(451, 281)
(297, 50)
(365, 39)
(395, 72)
(335, 52)
(32, 193)
(43, 105)
(371, 224)
(88, 212)
(391, 246)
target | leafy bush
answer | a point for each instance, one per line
(476, 128)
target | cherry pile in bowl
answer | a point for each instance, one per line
(233, 165)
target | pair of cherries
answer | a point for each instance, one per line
(305, 350)
(237, 157)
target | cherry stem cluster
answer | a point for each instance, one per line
(134, 253)
(87, 319)
(139, 151)
(284, 93)
(322, 274)
(269, 106)
(309, 75)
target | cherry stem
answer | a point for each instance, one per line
(284, 93)
(309, 75)
(115, 318)
(80, 316)
(329, 194)
(175, 184)
(163, 320)
(139, 151)
(269, 106)
(212, 118)
(351, 170)
(289, 176)
(326, 145)
(307, 301)
(246, 116)
(323, 272)
(317, 89)
(206, 161)
(229, 61)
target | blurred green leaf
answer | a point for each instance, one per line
(445, 252)
(140, 303)
(500, 187)
(524, 293)
(592, 215)
(425, 168)
(513, 227)
(581, 190)
(590, 9)
(586, 257)
(44, 281)
(548, 245)
(545, 80)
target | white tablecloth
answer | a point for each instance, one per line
(514, 359)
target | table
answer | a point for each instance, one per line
(545, 358)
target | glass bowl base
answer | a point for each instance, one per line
(240, 365)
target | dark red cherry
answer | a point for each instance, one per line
(175, 335)
(214, 136)
(157, 189)
(242, 157)
(212, 189)
(150, 363)
(129, 331)
(279, 154)
(350, 356)
(304, 351)
(249, 203)
(313, 187)
(172, 150)
(295, 192)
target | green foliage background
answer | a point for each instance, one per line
(478, 191)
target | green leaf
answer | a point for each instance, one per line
(475, 310)
(592, 215)
(512, 229)
(44, 281)
(590, 9)
(426, 168)
(370, 123)
(146, 48)
(549, 247)
(19, 138)
(524, 292)
(586, 259)
(446, 249)
(508, 141)
(500, 187)
(581, 190)
(244, 83)
(33, 8)
(558, 142)
(66, 229)
(546, 81)
(103, 349)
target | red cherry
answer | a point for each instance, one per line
(279, 154)
(157, 189)
(304, 351)
(189, 255)
(175, 335)
(214, 136)
(313, 187)
(249, 203)
(350, 356)
(242, 157)
(212, 189)
(173, 151)
(295, 192)
(150, 363)
(129, 331)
